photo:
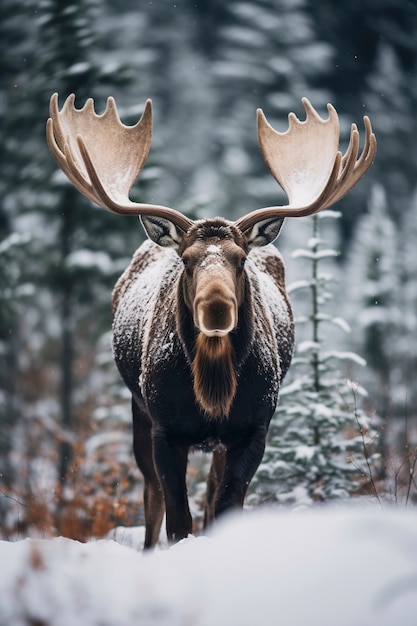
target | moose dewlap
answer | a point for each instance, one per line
(203, 331)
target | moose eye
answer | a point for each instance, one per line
(242, 262)
(185, 262)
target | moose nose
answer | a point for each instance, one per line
(216, 317)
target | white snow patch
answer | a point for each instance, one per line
(214, 250)
(214, 256)
(305, 452)
(344, 356)
(322, 567)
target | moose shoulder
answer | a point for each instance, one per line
(203, 330)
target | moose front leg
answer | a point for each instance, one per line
(171, 465)
(242, 461)
(214, 483)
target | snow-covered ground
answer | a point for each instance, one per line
(324, 567)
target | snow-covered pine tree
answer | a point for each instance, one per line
(406, 299)
(392, 105)
(61, 250)
(307, 457)
(372, 284)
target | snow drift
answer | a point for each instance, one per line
(330, 567)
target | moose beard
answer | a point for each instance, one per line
(214, 375)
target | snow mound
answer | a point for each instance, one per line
(320, 567)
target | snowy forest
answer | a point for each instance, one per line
(346, 425)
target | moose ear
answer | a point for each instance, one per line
(262, 233)
(162, 231)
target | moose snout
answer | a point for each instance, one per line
(216, 315)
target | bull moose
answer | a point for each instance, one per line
(203, 331)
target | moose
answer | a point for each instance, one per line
(203, 331)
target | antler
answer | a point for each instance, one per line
(306, 162)
(102, 157)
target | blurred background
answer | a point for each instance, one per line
(65, 452)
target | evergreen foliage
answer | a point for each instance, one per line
(61, 244)
(406, 293)
(373, 288)
(312, 434)
(374, 72)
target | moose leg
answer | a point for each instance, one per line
(153, 496)
(242, 461)
(171, 463)
(214, 481)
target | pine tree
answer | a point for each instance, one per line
(16, 43)
(372, 288)
(72, 254)
(404, 392)
(374, 73)
(310, 442)
(392, 105)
